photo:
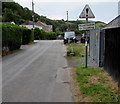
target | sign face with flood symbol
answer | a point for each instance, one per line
(87, 13)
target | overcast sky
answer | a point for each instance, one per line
(104, 10)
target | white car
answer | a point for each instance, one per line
(69, 37)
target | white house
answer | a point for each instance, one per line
(29, 25)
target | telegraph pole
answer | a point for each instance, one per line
(67, 21)
(67, 16)
(33, 13)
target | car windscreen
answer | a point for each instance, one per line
(69, 34)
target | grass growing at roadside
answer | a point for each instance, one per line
(96, 86)
(77, 49)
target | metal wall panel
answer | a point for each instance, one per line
(97, 46)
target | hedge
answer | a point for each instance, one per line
(41, 34)
(27, 35)
(13, 36)
(51, 35)
(37, 34)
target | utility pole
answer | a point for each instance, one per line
(33, 13)
(67, 16)
(67, 21)
(86, 40)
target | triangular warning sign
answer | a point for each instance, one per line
(87, 13)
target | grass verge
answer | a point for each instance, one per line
(89, 84)
(75, 48)
(97, 85)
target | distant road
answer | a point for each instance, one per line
(37, 73)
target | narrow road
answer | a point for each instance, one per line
(36, 73)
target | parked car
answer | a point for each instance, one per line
(69, 37)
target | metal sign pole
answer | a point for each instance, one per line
(86, 45)
(86, 13)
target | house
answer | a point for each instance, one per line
(29, 25)
(47, 28)
(39, 24)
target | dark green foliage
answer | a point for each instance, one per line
(11, 36)
(41, 34)
(37, 34)
(13, 12)
(50, 35)
(79, 32)
(27, 35)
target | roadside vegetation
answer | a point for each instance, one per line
(75, 48)
(42, 35)
(13, 36)
(90, 84)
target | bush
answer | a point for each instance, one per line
(79, 32)
(11, 37)
(41, 34)
(37, 34)
(27, 35)
(51, 35)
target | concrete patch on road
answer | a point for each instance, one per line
(62, 86)
(62, 75)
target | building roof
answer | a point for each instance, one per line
(39, 23)
(115, 23)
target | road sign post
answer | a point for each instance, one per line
(86, 13)
(86, 47)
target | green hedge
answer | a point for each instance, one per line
(41, 34)
(37, 34)
(51, 35)
(13, 36)
(27, 35)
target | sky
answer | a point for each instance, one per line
(104, 10)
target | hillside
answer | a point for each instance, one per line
(14, 12)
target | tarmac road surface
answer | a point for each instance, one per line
(36, 73)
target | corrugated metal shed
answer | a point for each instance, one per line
(115, 23)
